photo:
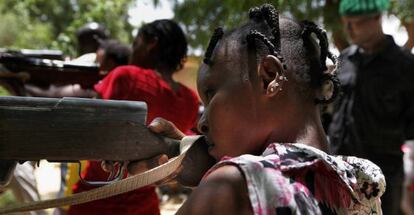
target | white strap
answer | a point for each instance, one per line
(131, 183)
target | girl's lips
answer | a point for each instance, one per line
(210, 145)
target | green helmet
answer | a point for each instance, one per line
(362, 7)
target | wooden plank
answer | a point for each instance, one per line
(75, 129)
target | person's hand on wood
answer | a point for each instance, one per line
(163, 128)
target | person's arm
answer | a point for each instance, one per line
(72, 90)
(224, 191)
(407, 202)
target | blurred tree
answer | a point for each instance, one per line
(200, 17)
(53, 24)
(404, 9)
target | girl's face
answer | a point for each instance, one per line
(233, 121)
(142, 52)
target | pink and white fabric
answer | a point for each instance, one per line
(299, 179)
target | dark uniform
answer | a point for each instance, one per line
(375, 115)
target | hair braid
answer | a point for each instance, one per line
(333, 58)
(218, 33)
(270, 15)
(257, 35)
(308, 59)
(308, 29)
(272, 18)
(336, 88)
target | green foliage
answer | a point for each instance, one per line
(52, 24)
(4, 92)
(13, 28)
(200, 17)
(7, 199)
(404, 9)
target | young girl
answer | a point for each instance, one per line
(262, 84)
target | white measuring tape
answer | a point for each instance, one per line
(131, 183)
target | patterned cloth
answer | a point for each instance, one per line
(299, 179)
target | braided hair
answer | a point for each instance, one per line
(319, 75)
(218, 33)
(294, 46)
(172, 44)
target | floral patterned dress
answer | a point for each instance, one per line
(299, 179)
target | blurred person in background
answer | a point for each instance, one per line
(23, 185)
(110, 54)
(88, 39)
(159, 50)
(375, 115)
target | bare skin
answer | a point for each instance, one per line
(223, 192)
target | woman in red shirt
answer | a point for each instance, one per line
(159, 50)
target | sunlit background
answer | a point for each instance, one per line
(144, 11)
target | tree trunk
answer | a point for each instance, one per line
(333, 23)
(410, 30)
(340, 40)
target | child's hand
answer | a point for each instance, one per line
(164, 128)
(160, 126)
(195, 164)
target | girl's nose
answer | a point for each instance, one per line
(202, 123)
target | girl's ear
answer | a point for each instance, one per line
(271, 75)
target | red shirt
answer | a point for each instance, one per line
(137, 84)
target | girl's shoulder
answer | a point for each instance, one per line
(221, 192)
(302, 177)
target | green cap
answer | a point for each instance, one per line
(362, 7)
